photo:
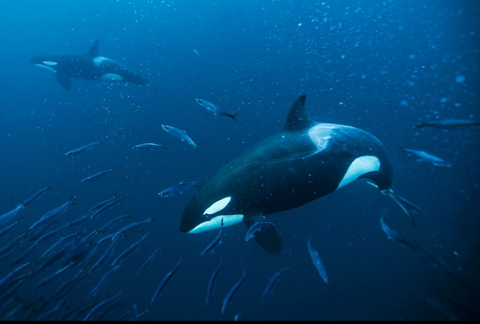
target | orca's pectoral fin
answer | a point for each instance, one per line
(268, 238)
(64, 81)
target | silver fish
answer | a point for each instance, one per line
(273, 282)
(211, 283)
(177, 189)
(181, 134)
(317, 261)
(257, 227)
(165, 282)
(426, 157)
(211, 247)
(394, 235)
(27, 202)
(5, 218)
(51, 215)
(149, 261)
(102, 304)
(214, 109)
(450, 124)
(129, 251)
(232, 293)
(149, 146)
(99, 175)
(82, 149)
(95, 290)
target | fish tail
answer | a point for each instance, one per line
(165, 146)
(398, 200)
(234, 116)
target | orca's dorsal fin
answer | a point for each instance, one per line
(297, 117)
(93, 52)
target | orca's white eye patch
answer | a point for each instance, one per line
(218, 206)
(50, 63)
(359, 167)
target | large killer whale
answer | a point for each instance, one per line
(307, 160)
(89, 66)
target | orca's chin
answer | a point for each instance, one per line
(215, 224)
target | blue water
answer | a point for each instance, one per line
(375, 65)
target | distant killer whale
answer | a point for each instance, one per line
(307, 160)
(89, 66)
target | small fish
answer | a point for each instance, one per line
(149, 146)
(9, 228)
(426, 157)
(102, 203)
(7, 280)
(51, 234)
(5, 218)
(236, 317)
(81, 219)
(127, 229)
(394, 235)
(232, 293)
(82, 149)
(215, 110)
(181, 134)
(165, 281)
(177, 189)
(69, 285)
(51, 278)
(406, 206)
(59, 245)
(108, 311)
(149, 261)
(450, 124)
(103, 304)
(101, 283)
(218, 240)
(196, 52)
(108, 225)
(27, 202)
(107, 206)
(273, 282)
(99, 175)
(442, 309)
(257, 227)
(211, 283)
(22, 257)
(442, 265)
(317, 261)
(106, 256)
(9, 248)
(51, 215)
(129, 251)
(41, 231)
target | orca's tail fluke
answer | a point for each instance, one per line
(268, 238)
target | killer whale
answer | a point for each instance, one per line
(307, 160)
(89, 66)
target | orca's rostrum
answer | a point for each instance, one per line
(307, 160)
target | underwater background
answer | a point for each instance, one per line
(376, 65)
